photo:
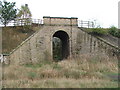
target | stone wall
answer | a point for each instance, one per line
(60, 20)
(89, 44)
(38, 47)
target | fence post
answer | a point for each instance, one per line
(92, 24)
(81, 23)
(38, 22)
(88, 24)
(14, 22)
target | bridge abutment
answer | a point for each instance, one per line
(39, 46)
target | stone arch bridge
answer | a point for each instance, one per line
(75, 41)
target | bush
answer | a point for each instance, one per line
(112, 30)
(117, 34)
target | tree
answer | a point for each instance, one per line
(7, 12)
(24, 14)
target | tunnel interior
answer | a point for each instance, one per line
(60, 45)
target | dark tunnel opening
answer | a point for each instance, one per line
(60, 45)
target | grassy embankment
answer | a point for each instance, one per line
(13, 36)
(85, 72)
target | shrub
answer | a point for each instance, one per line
(117, 34)
(112, 30)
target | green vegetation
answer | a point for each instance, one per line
(104, 31)
(7, 12)
(97, 31)
(114, 31)
(24, 12)
(32, 75)
(92, 72)
(25, 15)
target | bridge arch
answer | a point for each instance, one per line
(62, 38)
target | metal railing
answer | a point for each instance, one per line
(86, 24)
(22, 22)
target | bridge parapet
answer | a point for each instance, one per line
(66, 21)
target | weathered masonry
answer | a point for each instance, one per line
(39, 46)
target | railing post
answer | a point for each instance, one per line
(92, 24)
(81, 23)
(88, 24)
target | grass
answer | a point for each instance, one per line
(75, 73)
(13, 36)
(104, 31)
(97, 31)
(61, 82)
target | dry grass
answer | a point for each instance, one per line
(13, 36)
(76, 73)
(61, 83)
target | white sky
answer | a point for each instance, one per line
(104, 11)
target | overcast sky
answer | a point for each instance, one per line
(104, 11)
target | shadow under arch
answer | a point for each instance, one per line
(62, 38)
